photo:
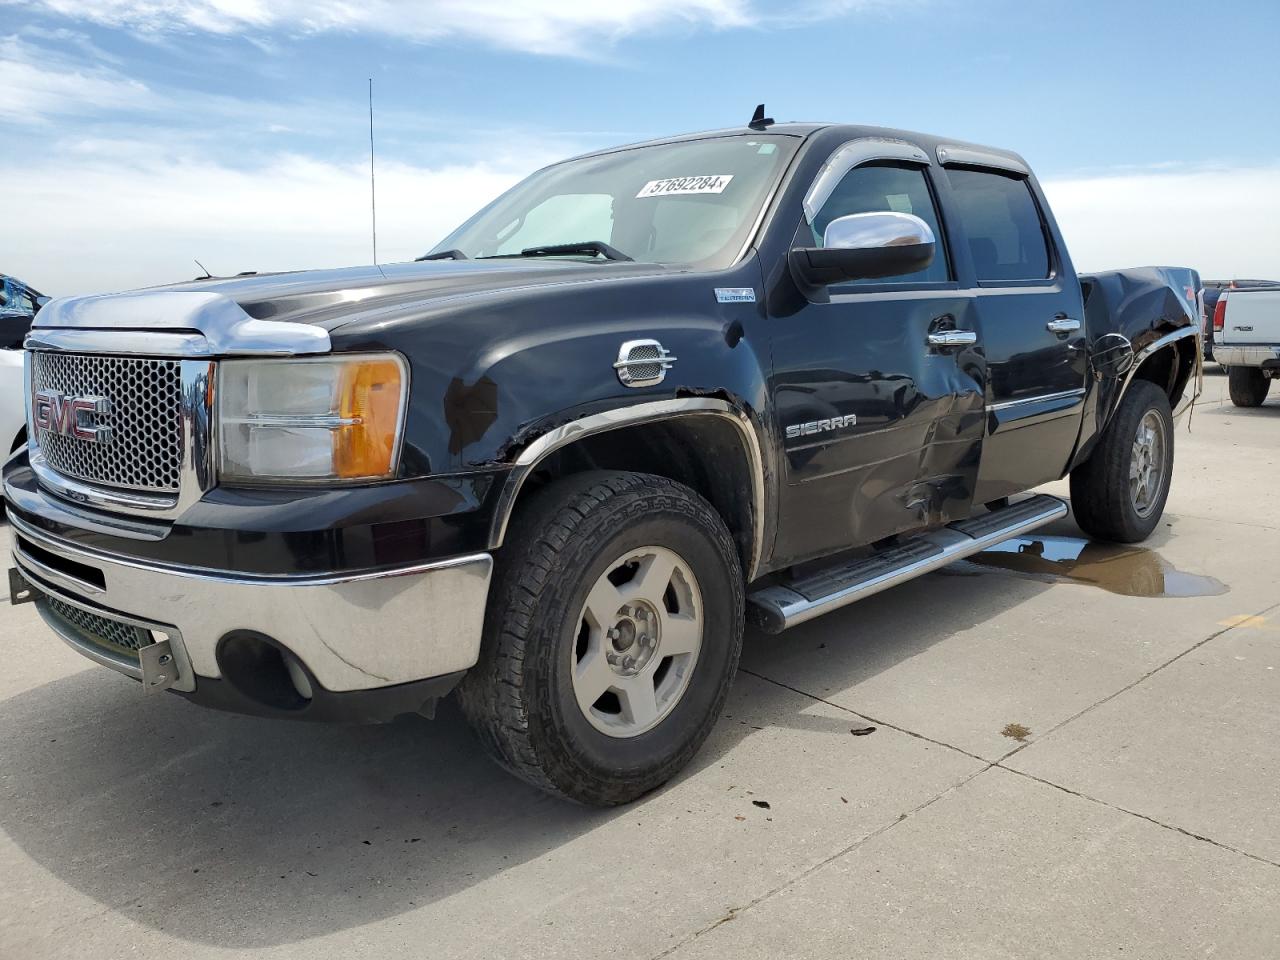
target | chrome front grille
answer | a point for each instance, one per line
(144, 446)
(118, 637)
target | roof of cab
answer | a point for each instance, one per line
(837, 131)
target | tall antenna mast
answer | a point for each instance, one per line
(373, 187)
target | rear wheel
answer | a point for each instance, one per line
(1248, 386)
(1119, 493)
(613, 634)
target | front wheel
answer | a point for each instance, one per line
(1248, 386)
(1119, 493)
(613, 634)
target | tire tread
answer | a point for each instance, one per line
(1100, 485)
(494, 696)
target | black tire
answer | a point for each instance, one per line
(519, 697)
(1248, 386)
(1101, 498)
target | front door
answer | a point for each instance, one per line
(1031, 314)
(882, 429)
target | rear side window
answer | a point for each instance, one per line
(881, 188)
(1006, 235)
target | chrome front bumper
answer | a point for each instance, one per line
(352, 632)
(1248, 356)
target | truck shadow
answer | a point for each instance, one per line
(245, 833)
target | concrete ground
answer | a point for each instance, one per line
(1137, 818)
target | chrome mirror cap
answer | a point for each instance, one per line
(875, 231)
(864, 246)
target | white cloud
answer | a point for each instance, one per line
(111, 216)
(572, 27)
(107, 215)
(39, 83)
(1221, 221)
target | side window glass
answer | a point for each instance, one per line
(999, 216)
(881, 188)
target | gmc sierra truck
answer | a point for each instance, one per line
(1246, 339)
(554, 465)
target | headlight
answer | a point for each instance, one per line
(335, 419)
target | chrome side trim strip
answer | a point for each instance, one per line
(949, 154)
(784, 608)
(854, 154)
(135, 323)
(631, 416)
(1021, 401)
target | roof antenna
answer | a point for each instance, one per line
(758, 120)
(207, 274)
(373, 189)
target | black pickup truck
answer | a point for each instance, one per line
(648, 394)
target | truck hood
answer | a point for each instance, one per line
(326, 298)
(294, 312)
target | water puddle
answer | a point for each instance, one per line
(1127, 570)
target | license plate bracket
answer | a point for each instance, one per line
(20, 589)
(159, 669)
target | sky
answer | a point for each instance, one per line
(141, 135)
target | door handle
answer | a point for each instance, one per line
(1062, 325)
(952, 338)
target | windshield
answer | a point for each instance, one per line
(688, 203)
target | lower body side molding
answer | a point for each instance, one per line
(782, 605)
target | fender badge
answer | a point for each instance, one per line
(735, 295)
(797, 430)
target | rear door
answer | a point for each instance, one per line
(881, 429)
(1031, 317)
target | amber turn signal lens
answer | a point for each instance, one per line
(369, 397)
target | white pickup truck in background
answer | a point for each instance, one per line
(1246, 339)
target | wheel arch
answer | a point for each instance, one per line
(658, 437)
(1171, 363)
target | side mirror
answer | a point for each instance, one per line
(40, 303)
(863, 246)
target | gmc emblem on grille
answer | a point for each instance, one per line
(54, 412)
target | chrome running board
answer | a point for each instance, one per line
(782, 605)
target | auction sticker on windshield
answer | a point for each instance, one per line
(678, 185)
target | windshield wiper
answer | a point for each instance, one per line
(442, 255)
(597, 247)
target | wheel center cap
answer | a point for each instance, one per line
(633, 639)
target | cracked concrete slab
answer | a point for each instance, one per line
(1005, 867)
(1195, 745)
(312, 840)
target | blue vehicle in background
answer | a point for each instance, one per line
(19, 305)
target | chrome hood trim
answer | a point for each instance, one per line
(169, 323)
